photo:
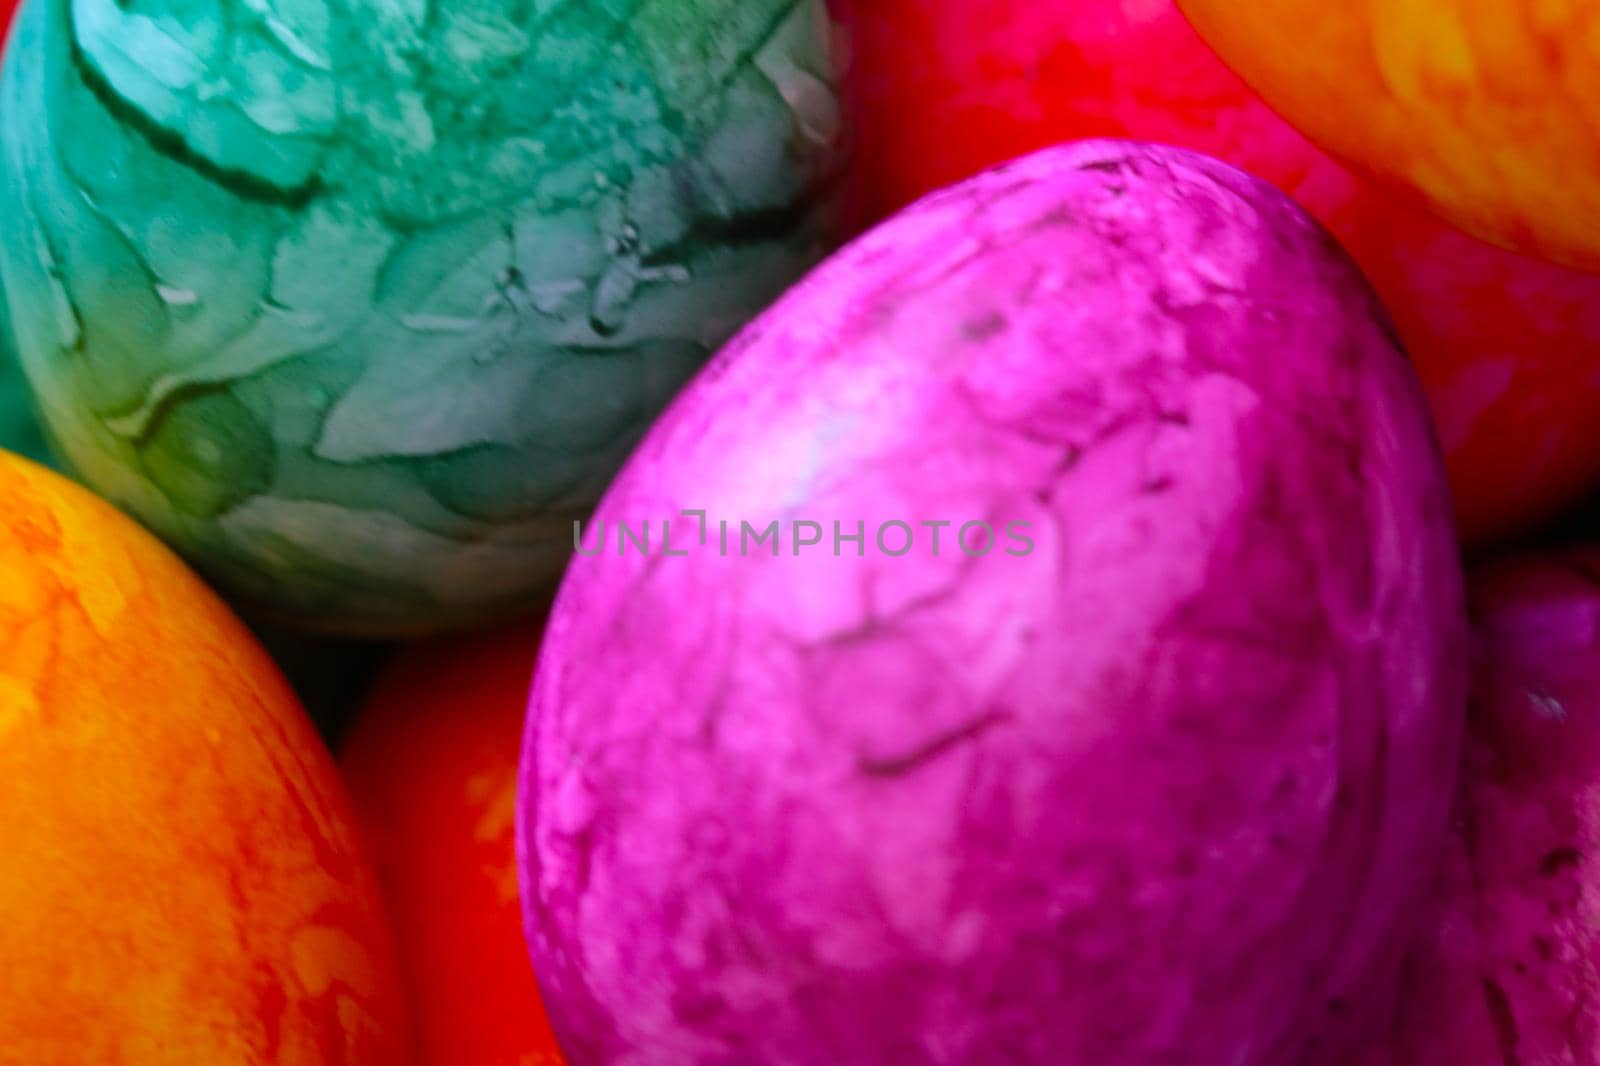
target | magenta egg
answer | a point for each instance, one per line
(1037, 640)
(1504, 970)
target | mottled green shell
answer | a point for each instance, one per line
(361, 302)
(19, 428)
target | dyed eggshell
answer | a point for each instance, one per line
(19, 427)
(1505, 345)
(1159, 787)
(181, 880)
(432, 764)
(361, 305)
(1489, 110)
(1505, 970)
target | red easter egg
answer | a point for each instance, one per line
(1505, 345)
(432, 765)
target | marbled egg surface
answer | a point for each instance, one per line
(19, 428)
(359, 305)
(1120, 732)
(180, 879)
(1489, 109)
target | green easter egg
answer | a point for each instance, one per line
(19, 428)
(360, 304)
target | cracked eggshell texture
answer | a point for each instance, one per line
(360, 306)
(1489, 110)
(1162, 789)
(1504, 344)
(181, 880)
(1505, 970)
(432, 766)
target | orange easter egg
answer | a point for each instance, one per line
(179, 875)
(1489, 110)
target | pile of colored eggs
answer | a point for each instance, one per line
(1129, 606)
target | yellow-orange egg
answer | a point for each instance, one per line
(179, 878)
(1490, 110)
